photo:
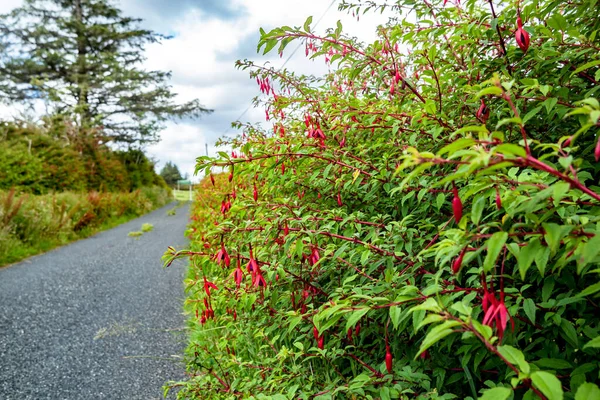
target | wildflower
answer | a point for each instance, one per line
(209, 285)
(457, 206)
(223, 256)
(522, 36)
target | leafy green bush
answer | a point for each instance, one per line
(51, 158)
(30, 224)
(422, 222)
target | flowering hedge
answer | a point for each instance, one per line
(421, 222)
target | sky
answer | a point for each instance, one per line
(208, 37)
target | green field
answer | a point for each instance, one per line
(181, 195)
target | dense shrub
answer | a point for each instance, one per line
(52, 158)
(422, 222)
(30, 224)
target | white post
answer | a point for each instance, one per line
(190, 191)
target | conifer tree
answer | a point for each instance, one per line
(170, 173)
(83, 58)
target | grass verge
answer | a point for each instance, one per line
(31, 225)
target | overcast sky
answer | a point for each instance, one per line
(208, 37)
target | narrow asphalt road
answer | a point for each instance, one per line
(97, 319)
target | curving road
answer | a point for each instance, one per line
(97, 319)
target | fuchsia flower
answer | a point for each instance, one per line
(388, 359)
(484, 112)
(223, 256)
(498, 200)
(255, 193)
(314, 256)
(597, 150)
(522, 36)
(238, 275)
(457, 206)
(495, 311)
(258, 279)
(458, 262)
(209, 285)
(252, 264)
(321, 342)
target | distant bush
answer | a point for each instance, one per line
(30, 224)
(53, 158)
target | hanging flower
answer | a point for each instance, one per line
(522, 36)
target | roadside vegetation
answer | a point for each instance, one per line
(422, 222)
(31, 224)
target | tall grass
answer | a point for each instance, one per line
(31, 224)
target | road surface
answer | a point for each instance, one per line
(97, 319)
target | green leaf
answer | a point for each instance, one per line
(527, 255)
(456, 145)
(497, 393)
(589, 251)
(590, 290)
(436, 334)
(586, 66)
(594, 343)
(548, 384)
(511, 149)
(529, 308)
(550, 103)
(477, 210)
(569, 333)
(395, 313)
(428, 305)
(587, 391)
(554, 233)
(541, 260)
(494, 246)
(355, 317)
(307, 23)
(461, 308)
(491, 90)
(559, 190)
(531, 114)
(515, 357)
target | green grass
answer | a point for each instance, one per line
(182, 195)
(41, 223)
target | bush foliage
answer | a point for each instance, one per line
(56, 158)
(30, 224)
(422, 222)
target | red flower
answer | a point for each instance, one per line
(495, 311)
(314, 256)
(388, 360)
(321, 342)
(238, 275)
(457, 206)
(522, 36)
(223, 256)
(255, 193)
(252, 266)
(259, 280)
(209, 285)
(458, 262)
(484, 112)
(498, 200)
(597, 150)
